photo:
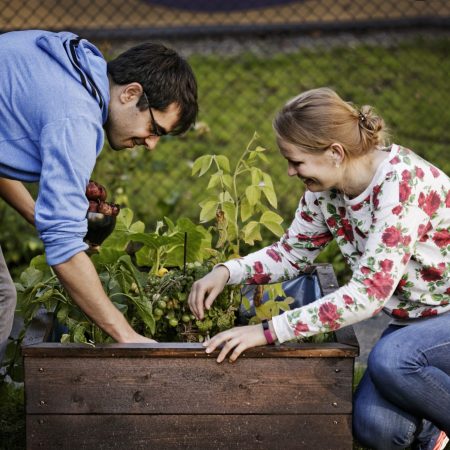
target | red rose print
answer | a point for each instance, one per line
(433, 273)
(306, 217)
(423, 231)
(380, 285)
(391, 236)
(328, 314)
(303, 237)
(430, 203)
(331, 222)
(273, 254)
(376, 191)
(258, 267)
(434, 171)
(447, 200)
(401, 285)
(404, 191)
(397, 210)
(406, 240)
(342, 211)
(406, 258)
(441, 238)
(406, 175)
(286, 246)
(429, 312)
(365, 270)
(419, 172)
(358, 206)
(259, 278)
(400, 313)
(395, 160)
(386, 265)
(300, 327)
(346, 230)
(348, 300)
(321, 239)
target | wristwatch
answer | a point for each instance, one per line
(267, 332)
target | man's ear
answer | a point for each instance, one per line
(130, 92)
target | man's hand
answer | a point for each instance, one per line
(79, 277)
(204, 291)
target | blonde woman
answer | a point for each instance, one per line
(389, 212)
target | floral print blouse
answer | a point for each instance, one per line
(395, 236)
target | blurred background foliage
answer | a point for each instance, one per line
(247, 67)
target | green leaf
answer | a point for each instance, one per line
(263, 157)
(208, 211)
(30, 277)
(214, 180)
(246, 210)
(260, 149)
(271, 196)
(202, 164)
(228, 181)
(274, 227)
(223, 162)
(256, 176)
(270, 216)
(253, 194)
(252, 232)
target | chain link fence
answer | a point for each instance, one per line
(250, 56)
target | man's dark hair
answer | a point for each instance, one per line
(165, 77)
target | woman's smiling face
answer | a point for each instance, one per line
(318, 171)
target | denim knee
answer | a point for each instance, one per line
(373, 429)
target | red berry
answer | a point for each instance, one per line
(105, 208)
(93, 206)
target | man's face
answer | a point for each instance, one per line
(127, 126)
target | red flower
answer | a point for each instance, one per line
(391, 236)
(328, 314)
(433, 273)
(258, 267)
(365, 270)
(273, 254)
(357, 207)
(405, 191)
(306, 216)
(342, 211)
(346, 230)
(406, 175)
(380, 285)
(397, 210)
(430, 203)
(321, 239)
(401, 285)
(423, 231)
(331, 222)
(386, 265)
(441, 238)
(286, 246)
(259, 278)
(419, 172)
(348, 300)
(429, 312)
(405, 258)
(300, 327)
(376, 191)
(406, 240)
(395, 160)
(447, 200)
(434, 171)
(303, 237)
(400, 313)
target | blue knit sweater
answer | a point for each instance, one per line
(54, 95)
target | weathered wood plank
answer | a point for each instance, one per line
(283, 432)
(186, 350)
(188, 386)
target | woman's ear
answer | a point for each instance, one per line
(130, 92)
(337, 153)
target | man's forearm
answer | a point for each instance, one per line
(81, 281)
(17, 196)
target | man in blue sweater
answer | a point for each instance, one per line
(58, 96)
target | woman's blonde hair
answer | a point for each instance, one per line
(318, 118)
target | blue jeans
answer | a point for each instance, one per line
(403, 398)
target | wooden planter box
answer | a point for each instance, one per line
(174, 396)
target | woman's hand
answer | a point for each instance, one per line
(204, 291)
(237, 340)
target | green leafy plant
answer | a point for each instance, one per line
(239, 208)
